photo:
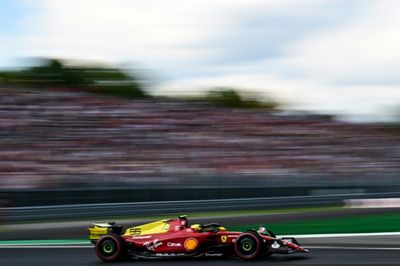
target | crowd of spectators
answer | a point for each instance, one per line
(69, 139)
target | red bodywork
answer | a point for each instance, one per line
(181, 238)
(175, 238)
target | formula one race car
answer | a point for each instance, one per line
(176, 238)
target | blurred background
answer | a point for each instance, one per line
(141, 101)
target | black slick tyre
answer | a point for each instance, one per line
(110, 248)
(248, 246)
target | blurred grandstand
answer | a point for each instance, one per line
(64, 138)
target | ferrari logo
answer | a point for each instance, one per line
(223, 239)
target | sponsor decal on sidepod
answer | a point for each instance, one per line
(171, 244)
(191, 244)
(151, 245)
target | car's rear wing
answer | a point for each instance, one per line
(100, 229)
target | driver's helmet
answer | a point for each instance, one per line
(196, 227)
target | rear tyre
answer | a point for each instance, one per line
(110, 248)
(248, 246)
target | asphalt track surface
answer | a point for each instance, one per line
(323, 255)
(358, 250)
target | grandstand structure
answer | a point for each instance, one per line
(66, 138)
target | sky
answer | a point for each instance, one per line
(329, 56)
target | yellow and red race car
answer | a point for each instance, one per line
(176, 238)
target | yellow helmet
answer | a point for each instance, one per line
(196, 227)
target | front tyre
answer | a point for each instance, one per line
(109, 248)
(248, 246)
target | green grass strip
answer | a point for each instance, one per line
(354, 224)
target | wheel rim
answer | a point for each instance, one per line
(247, 246)
(108, 247)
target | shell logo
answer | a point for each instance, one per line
(191, 244)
